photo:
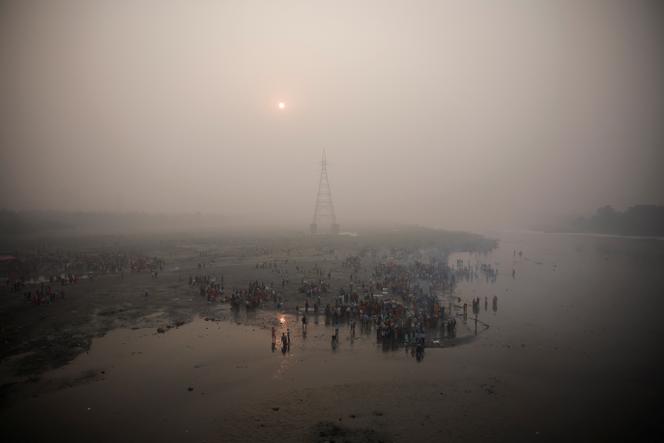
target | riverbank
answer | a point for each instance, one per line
(570, 355)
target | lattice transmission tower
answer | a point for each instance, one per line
(324, 207)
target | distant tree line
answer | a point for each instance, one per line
(639, 220)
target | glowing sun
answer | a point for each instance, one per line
(281, 106)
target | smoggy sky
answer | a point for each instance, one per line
(447, 113)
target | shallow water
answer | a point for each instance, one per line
(571, 353)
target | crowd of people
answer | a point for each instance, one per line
(255, 295)
(44, 295)
(313, 288)
(208, 287)
(37, 274)
(64, 267)
(392, 302)
(471, 272)
(405, 302)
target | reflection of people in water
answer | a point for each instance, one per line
(284, 343)
(495, 303)
(335, 338)
(451, 327)
(419, 349)
(274, 339)
(304, 325)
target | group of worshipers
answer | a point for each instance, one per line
(402, 319)
(62, 280)
(36, 274)
(471, 272)
(476, 303)
(63, 267)
(44, 295)
(142, 263)
(209, 287)
(253, 296)
(393, 322)
(396, 298)
(313, 288)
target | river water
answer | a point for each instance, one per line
(571, 353)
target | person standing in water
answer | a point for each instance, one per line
(274, 339)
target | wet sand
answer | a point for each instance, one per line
(571, 354)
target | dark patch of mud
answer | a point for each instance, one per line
(35, 386)
(330, 432)
(50, 352)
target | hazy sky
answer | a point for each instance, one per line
(450, 113)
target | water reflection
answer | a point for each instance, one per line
(384, 334)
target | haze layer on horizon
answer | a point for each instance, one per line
(448, 113)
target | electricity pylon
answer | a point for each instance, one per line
(324, 207)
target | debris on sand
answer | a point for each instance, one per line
(190, 388)
(161, 330)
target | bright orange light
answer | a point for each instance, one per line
(281, 105)
(282, 320)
